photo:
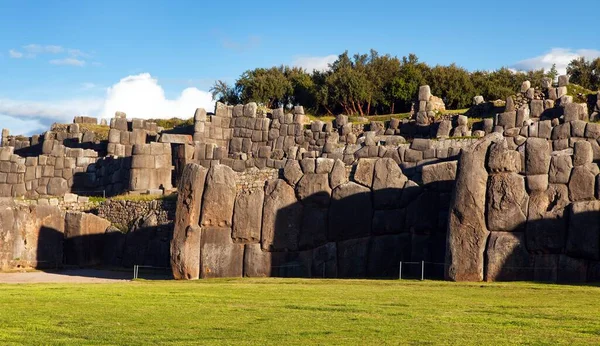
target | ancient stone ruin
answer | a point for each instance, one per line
(272, 193)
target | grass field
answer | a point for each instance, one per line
(299, 312)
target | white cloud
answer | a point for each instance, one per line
(319, 63)
(40, 49)
(68, 62)
(15, 54)
(559, 56)
(20, 126)
(140, 96)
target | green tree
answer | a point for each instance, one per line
(453, 84)
(267, 86)
(222, 92)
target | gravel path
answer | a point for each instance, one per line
(66, 276)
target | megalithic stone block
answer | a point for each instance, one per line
(185, 245)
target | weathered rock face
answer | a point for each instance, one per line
(352, 258)
(350, 212)
(219, 197)
(537, 156)
(247, 216)
(185, 246)
(30, 237)
(282, 217)
(388, 182)
(547, 223)
(219, 255)
(467, 230)
(506, 202)
(314, 191)
(507, 257)
(84, 243)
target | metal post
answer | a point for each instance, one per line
(422, 270)
(400, 271)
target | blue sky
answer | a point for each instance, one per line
(59, 58)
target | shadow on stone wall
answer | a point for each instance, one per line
(358, 234)
(147, 246)
(563, 249)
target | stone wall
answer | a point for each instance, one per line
(540, 220)
(320, 219)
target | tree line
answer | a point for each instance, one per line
(367, 84)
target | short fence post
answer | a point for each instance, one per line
(135, 269)
(422, 270)
(400, 271)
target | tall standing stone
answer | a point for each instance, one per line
(282, 217)
(185, 245)
(467, 230)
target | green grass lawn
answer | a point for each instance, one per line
(299, 312)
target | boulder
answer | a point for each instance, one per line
(388, 182)
(282, 217)
(314, 191)
(560, 169)
(582, 182)
(537, 156)
(506, 202)
(467, 230)
(350, 212)
(583, 240)
(440, 176)
(292, 172)
(219, 197)
(247, 216)
(364, 172)
(537, 182)
(338, 174)
(185, 245)
(84, 244)
(502, 159)
(424, 93)
(507, 258)
(547, 221)
(219, 256)
(257, 263)
(57, 187)
(582, 153)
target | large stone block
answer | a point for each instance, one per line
(440, 176)
(506, 202)
(219, 197)
(314, 191)
(185, 245)
(537, 156)
(350, 212)
(282, 217)
(424, 93)
(388, 182)
(571, 270)
(560, 169)
(507, 258)
(583, 240)
(247, 216)
(338, 174)
(582, 182)
(314, 228)
(219, 256)
(324, 261)
(502, 159)
(57, 187)
(364, 172)
(467, 229)
(84, 243)
(353, 257)
(547, 220)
